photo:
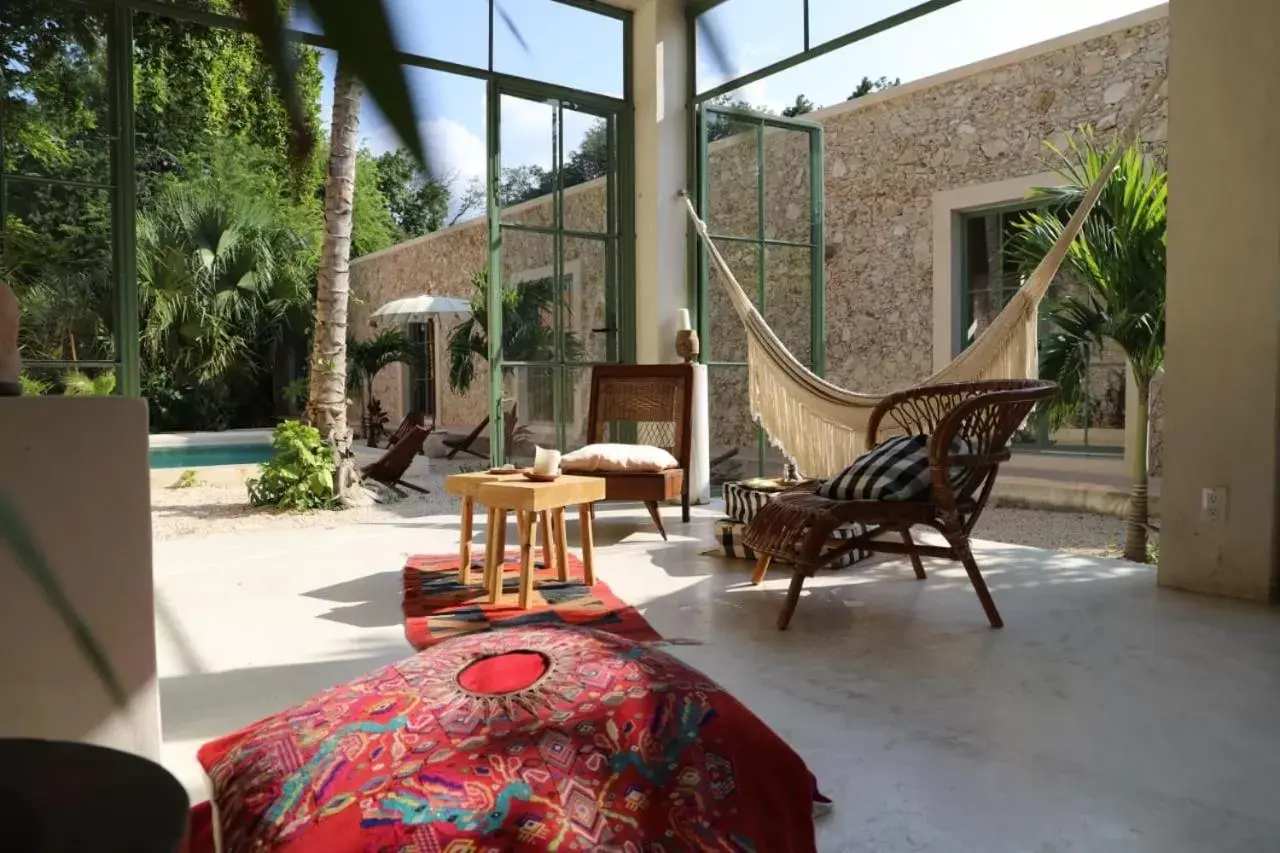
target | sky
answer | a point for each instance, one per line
(575, 48)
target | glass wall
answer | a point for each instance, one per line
(163, 240)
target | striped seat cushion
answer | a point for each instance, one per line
(894, 470)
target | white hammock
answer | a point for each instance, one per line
(823, 426)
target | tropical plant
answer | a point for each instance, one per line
(299, 476)
(327, 391)
(33, 387)
(375, 421)
(217, 275)
(1116, 269)
(528, 332)
(77, 384)
(366, 359)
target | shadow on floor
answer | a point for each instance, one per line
(197, 707)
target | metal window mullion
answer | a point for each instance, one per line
(557, 271)
(493, 299)
(826, 47)
(817, 253)
(761, 261)
(702, 258)
(124, 203)
(611, 319)
(58, 182)
(806, 25)
(768, 241)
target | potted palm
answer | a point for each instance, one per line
(1117, 269)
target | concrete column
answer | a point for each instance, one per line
(1221, 400)
(661, 78)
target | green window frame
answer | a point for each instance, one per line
(760, 241)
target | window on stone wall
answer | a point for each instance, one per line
(988, 280)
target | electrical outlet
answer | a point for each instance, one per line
(1213, 503)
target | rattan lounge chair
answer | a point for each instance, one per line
(392, 465)
(795, 526)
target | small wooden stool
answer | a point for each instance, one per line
(467, 487)
(533, 503)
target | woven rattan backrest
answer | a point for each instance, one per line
(656, 398)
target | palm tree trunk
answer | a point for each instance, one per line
(327, 404)
(1135, 533)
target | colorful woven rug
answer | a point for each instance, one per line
(437, 606)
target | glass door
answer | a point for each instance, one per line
(556, 264)
(761, 194)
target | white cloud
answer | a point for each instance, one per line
(454, 151)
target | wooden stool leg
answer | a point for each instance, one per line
(562, 544)
(499, 554)
(544, 524)
(762, 566)
(528, 541)
(915, 556)
(588, 551)
(491, 531)
(793, 598)
(464, 550)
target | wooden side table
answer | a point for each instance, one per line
(546, 502)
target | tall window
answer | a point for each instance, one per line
(988, 279)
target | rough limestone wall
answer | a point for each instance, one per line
(885, 159)
(443, 264)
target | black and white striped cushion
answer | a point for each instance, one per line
(894, 470)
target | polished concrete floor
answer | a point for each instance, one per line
(1108, 715)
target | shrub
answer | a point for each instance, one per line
(300, 475)
(186, 480)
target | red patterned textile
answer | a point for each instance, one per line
(526, 739)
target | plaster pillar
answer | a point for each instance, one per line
(661, 130)
(1220, 390)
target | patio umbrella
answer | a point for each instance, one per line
(420, 309)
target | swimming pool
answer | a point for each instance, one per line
(200, 456)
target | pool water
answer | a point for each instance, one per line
(202, 455)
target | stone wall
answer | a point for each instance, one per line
(886, 157)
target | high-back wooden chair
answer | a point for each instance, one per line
(644, 404)
(795, 527)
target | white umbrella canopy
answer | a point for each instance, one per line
(420, 309)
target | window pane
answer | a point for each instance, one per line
(738, 25)
(787, 200)
(830, 19)
(529, 275)
(587, 158)
(788, 297)
(452, 30)
(733, 434)
(554, 43)
(57, 253)
(590, 329)
(528, 144)
(531, 389)
(726, 340)
(54, 70)
(732, 193)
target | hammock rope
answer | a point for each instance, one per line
(822, 426)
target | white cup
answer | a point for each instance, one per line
(546, 461)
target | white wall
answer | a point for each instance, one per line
(77, 469)
(661, 131)
(1220, 392)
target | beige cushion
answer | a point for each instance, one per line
(615, 458)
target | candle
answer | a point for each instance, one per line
(682, 320)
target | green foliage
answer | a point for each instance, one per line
(300, 474)
(375, 422)
(1117, 264)
(800, 107)
(32, 387)
(365, 360)
(186, 480)
(528, 333)
(417, 202)
(295, 392)
(868, 86)
(77, 384)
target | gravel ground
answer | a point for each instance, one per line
(1073, 532)
(205, 509)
